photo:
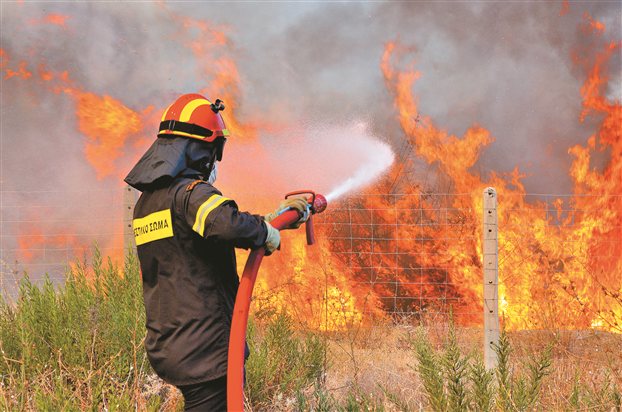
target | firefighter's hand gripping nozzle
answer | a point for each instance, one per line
(237, 337)
(317, 204)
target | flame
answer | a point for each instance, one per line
(108, 124)
(316, 288)
(37, 242)
(558, 267)
(207, 43)
(560, 258)
(565, 8)
(54, 19)
(592, 25)
(44, 74)
(20, 72)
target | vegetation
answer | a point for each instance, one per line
(282, 363)
(462, 383)
(79, 346)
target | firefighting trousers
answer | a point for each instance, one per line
(210, 396)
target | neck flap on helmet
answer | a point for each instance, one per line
(170, 157)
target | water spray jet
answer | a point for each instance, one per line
(379, 158)
(239, 322)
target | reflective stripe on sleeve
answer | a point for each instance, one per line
(204, 210)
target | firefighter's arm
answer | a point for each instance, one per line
(216, 217)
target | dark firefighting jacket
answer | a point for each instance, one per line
(185, 235)
(186, 232)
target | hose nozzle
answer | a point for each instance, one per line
(317, 204)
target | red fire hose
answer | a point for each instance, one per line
(237, 338)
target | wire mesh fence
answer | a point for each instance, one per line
(43, 232)
(402, 247)
(560, 256)
(416, 254)
(560, 260)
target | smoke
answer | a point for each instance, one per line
(326, 158)
(504, 66)
(507, 67)
(303, 71)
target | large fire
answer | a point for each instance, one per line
(412, 252)
(560, 264)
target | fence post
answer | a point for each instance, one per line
(129, 200)
(491, 278)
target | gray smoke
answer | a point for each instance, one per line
(506, 66)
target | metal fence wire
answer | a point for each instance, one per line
(559, 256)
(397, 246)
(43, 232)
(417, 253)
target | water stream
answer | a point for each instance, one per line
(380, 158)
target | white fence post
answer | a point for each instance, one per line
(129, 200)
(491, 278)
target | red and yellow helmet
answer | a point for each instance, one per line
(193, 116)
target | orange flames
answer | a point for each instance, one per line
(593, 25)
(218, 70)
(108, 127)
(560, 262)
(20, 72)
(565, 8)
(36, 243)
(53, 19)
(108, 124)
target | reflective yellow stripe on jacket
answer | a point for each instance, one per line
(204, 210)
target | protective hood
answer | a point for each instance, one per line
(167, 158)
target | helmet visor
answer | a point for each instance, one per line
(220, 147)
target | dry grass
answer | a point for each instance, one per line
(381, 358)
(371, 359)
(587, 359)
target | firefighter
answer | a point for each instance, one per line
(186, 232)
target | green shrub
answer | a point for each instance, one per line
(482, 393)
(75, 345)
(519, 392)
(430, 372)
(456, 382)
(282, 362)
(605, 397)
